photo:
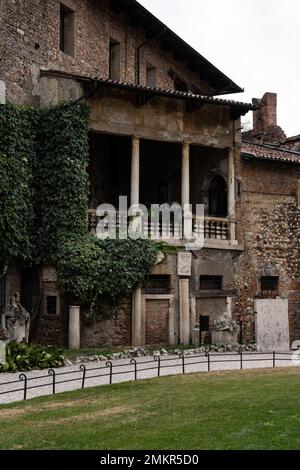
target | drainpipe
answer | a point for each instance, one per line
(138, 53)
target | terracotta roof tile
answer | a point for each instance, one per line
(267, 152)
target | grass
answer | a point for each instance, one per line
(222, 410)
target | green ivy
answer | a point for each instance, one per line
(44, 184)
(16, 151)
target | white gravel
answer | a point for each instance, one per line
(41, 384)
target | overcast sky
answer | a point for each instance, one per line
(254, 42)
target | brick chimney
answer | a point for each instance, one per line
(266, 115)
(265, 126)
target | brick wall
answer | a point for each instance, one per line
(157, 322)
(112, 327)
(271, 231)
(29, 40)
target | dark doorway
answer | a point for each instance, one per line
(218, 204)
(160, 179)
(2, 294)
(30, 290)
(109, 169)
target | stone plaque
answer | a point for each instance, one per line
(49, 274)
(184, 266)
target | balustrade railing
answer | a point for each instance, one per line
(213, 228)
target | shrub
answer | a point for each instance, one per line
(24, 357)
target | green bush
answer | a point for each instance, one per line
(25, 357)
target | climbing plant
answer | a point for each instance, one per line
(17, 136)
(44, 159)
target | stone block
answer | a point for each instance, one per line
(272, 324)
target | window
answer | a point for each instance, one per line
(52, 305)
(269, 285)
(159, 284)
(114, 60)
(218, 205)
(211, 282)
(66, 30)
(151, 73)
(179, 84)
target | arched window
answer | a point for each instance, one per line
(218, 204)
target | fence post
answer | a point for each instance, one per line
(109, 364)
(83, 369)
(24, 379)
(52, 373)
(157, 359)
(133, 362)
(208, 361)
(241, 357)
(274, 359)
(183, 363)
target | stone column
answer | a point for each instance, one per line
(231, 195)
(185, 191)
(184, 306)
(135, 200)
(135, 171)
(185, 174)
(137, 318)
(2, 92)
(74, 328)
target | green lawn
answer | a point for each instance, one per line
(225, 410)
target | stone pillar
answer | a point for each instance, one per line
(137, 318)
(135, 200)
(231, 195)
(74, 328)
(135, 171)
(2, 92)
(185, 174)
(184, 306)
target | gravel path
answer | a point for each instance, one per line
(40, 383)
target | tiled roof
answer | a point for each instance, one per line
(245, 107)
(140, 16)
(291, 139)
(268, 152)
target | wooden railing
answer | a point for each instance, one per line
(214, 228)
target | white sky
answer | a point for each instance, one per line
(254, 42)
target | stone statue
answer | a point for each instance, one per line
(16, 321)
(225, 324)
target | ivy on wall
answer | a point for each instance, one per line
(16, 152)
(44, 202)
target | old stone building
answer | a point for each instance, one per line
(159, 133)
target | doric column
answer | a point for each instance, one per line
(135, 171)
(74, 328)
(185, 174)
(231, 194)
(137, 318)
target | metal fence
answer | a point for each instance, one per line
(134, 368)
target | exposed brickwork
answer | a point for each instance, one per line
(111, 329)
(51, 331)
(266, 196)
(271, 221)
(29, 40)
(157, 322)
